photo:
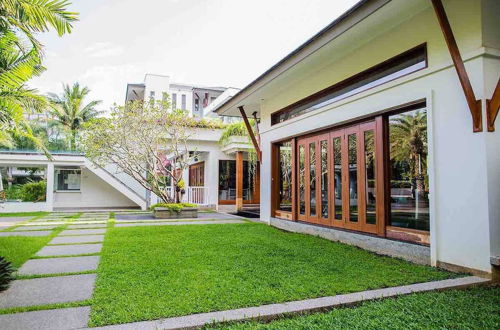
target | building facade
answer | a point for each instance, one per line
(369, 135)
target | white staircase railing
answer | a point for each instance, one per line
(197, 195)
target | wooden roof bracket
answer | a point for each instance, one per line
(492, 107)
(251, 133)
(474, 104)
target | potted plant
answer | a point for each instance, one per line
(174, 211)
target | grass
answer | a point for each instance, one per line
(476, 308)
(23, 214)
(18, 249)
(148, 273)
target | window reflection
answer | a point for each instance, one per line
(337, 184)
(312, 179)
(353, 177)
(409, 183)
(371, 216)
(302, 197)
(324, 179)
(285, 176)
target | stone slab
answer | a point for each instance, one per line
(68, 250)
(77, 239)
(274, 311)
(52, 319)
(26, 233)
(59, 265)
(201, 222)
(28, 228)
(48, 290)
(87, 225)
(73, 232)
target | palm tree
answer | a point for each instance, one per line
(409, 144)
(19, 62)
(17, 65)
(69, 111)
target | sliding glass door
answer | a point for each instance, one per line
(337, 178)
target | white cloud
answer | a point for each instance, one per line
(103, 49)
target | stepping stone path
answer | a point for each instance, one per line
(58, 264)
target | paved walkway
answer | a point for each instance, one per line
(67, 265)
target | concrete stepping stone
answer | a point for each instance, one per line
(203, 222)
(59, 265)
(68, 250)
(28, 228)
(73, 232)
(76, 239)
(26, 233)
(52, 319)
(87, 225)
(49, 290)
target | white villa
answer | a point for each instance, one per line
(379, 131)
(219, 176)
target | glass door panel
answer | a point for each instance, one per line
(312, 179)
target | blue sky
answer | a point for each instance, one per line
(207, 42)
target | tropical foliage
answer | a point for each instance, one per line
(70, 111)
(408, 140)
(21, 59)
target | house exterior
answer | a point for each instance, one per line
(192, 98)
(219, 176)
(372, 134)
(72, 182)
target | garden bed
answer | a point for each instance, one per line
(175, 211)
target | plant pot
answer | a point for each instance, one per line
(166, 213)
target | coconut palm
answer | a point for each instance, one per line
(17, 65)
(409, 144)
(70, 111)
(20, 61)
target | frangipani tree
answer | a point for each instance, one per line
(147, 141)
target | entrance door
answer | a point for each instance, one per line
(336, 174)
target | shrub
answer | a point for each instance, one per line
(6, 271)
(13, 192)
(33, 191)
(172, 207)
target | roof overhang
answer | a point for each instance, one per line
(363, 22)
(135, 92)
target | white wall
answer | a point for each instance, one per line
(465, 168)
(95, 193)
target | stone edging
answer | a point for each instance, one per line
(274, 311)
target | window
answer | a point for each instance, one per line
(174, 101)
(285, 176)
(68, 179)
(196, 104)
(227, 180)
(396, 67)
(409, 183)
(183, 104)
(152, 97)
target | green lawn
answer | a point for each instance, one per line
(19, 249)
(477, 308)
(23, 214)
(153, 272)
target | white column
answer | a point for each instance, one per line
(50, 186)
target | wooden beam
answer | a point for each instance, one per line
(250, 132)
(239, 180)
(474, 105)
(492, 107)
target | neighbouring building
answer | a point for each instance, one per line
(221, 176)
(192, 98)
(72, 182)
(380, 132)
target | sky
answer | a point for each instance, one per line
(204, 42)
